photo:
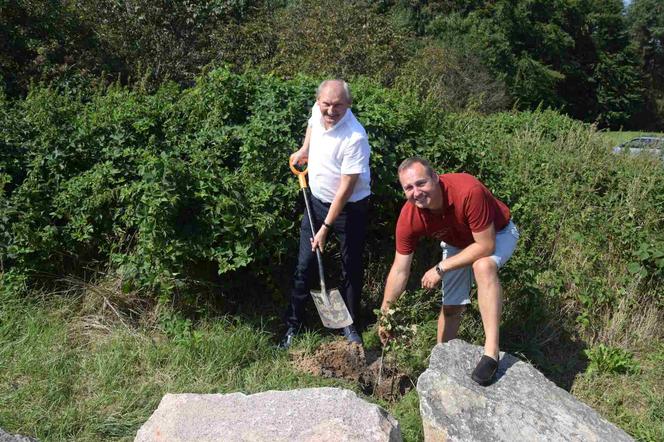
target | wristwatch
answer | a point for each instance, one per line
(439, 270)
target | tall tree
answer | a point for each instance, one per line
(646, 25)
(569, 54)
(43, 39)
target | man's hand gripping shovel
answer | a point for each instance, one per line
(330, 305)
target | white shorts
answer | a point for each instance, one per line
(456, 283)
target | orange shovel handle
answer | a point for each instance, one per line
(301, 175)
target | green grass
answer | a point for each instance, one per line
(617, 137)
(68, 377)
(64, 376)
(632, 401)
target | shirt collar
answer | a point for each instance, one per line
(443, 191)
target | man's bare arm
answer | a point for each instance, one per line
(302, 155)
(344, 192)
(394, 287)
(484, 245)
(396, 279)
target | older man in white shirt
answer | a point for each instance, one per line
(337, 152)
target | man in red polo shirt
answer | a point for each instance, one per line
(477, 238)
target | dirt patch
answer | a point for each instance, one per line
(345, 360)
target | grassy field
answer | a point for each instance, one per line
(69, 374)
(617, 137)
(75, 367)
(634, 401)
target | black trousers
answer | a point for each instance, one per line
(350, 228)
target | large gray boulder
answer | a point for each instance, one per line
(6, 437)
(521, 405)
(313, 414)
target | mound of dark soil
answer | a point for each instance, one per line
(345, 360)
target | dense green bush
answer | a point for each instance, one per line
(158, 183)
(161, 187)
(151, 182)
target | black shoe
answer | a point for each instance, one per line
(485, 370)
(287, 340)
(352, 335)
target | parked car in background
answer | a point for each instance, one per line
(642, 145)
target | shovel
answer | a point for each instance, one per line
(330, 305)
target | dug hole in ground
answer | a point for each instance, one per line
(341, 359)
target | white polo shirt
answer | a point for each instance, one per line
(342, 149)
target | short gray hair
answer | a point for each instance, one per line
(408, 162)
(345, 86)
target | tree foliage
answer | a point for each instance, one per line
(646, 21)
(341, 39)
(162, 39)
(453, 79)
(572, 55)
(43, 39)
(646, 25)
(560, 54)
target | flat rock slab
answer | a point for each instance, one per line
(313, 414)
(521, 405)
(6, 437)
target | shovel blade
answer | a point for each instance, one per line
(332, 309)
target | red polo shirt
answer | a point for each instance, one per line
(468, 207)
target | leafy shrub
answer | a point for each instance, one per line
(650, 257)
(158, 182)
(411, 322)
(179, 329)
(605, 359)
(178, 185)
(454, 79)
(339, 39)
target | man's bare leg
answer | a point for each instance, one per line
(489, 298)
(449, 320)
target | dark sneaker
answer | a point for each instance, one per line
(485, 370)
(287, 340)
(352, 335)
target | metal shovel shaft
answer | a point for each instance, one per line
(331, 307)
(319, 256)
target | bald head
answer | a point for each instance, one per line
(336, 84)
(333, 98)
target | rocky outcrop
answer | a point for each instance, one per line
(521, 405)
(314, 414)
(6, 437)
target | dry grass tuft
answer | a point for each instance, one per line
(101, 307)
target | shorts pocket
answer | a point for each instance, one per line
(514, 231)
